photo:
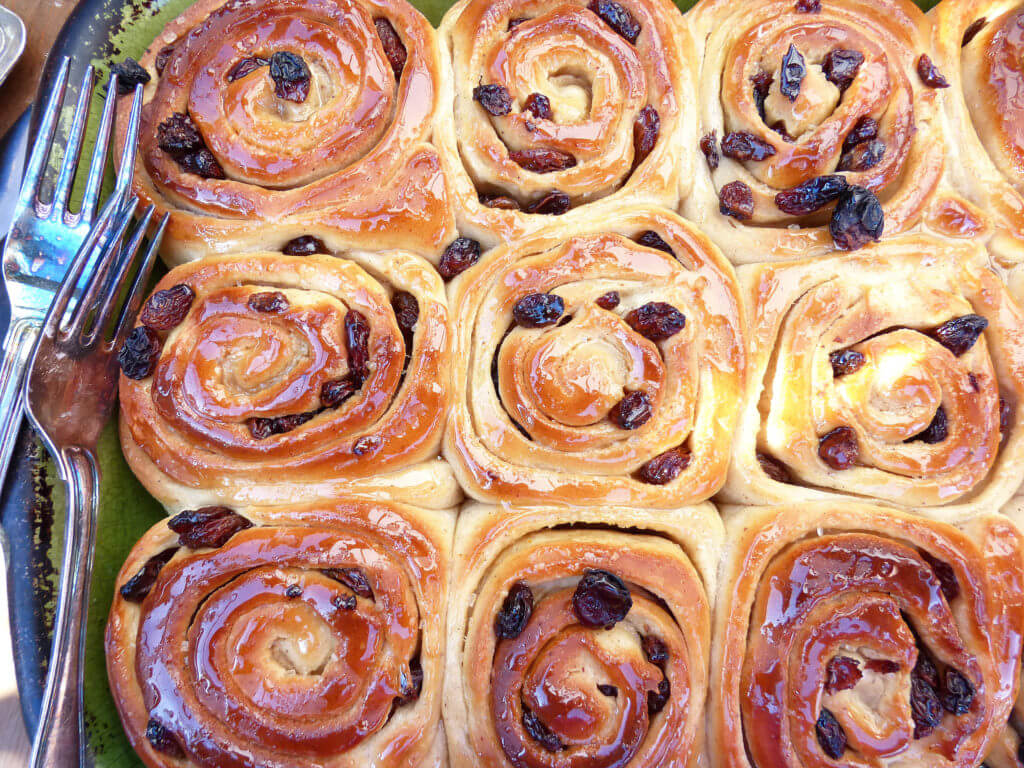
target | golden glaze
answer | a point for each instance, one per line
(243, 674)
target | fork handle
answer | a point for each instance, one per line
(60, 739)
(17, 346)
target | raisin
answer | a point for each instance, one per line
(925, 668)
(246, 67)
(863, 157)
(262, 428)
(936, 431)
(654, 650)
(882, 666)
(357, 339)
(503, 202)
(616, 17)
(366, 444)
(513, 23)
(608, 690)
(410, 685)
(957, 693)
(656, 700)
(140, 353)
(632, 411)
(162, 740)
(774, 468)
(709, 146)
(515, 612)
(845, 361)
(178, 136)
(925, 707)
(842, 673)
(540, 732)
(651, 239)
(494, 98)
(207, 526)
(601, 599)
(841, 67)
(944, 573)
(1005, 415)
(863, 130)
(812, 195)
(831, 735)
(762, 83)
(929, 73)
(542, 160)
(201, 163)
(741, 145)
(537, 310)
(972, 31)
(839, 448)
(344, 602)
(305, 245)
(645, 133)
(293, 591)
(665, 467)
(459, 256)
(656, 320)
(337, 391)
(736, 199)
(552, 204)
(407, 314)
(538, 105)
(162, 58)
(291, 76)
(139, 585)
(354, 579)
(608, 300)
(794, 69)
(808, 6)
(269, 302)
(394, 49)
(129, 74)
(780, 128)
(167, 308)
(961, 333)
(857, 220)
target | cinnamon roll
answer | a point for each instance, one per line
(855, 635)
(597, 364)
(268, 120)
(312, 635)
(549, 106)
(896, 374)
(818, 124)
(267, 379)
(580, 637)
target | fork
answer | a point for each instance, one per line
(45, 236)
(70, 391)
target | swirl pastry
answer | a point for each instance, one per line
(267, 379)
(896, 374)
(979, 44)
(580, 637)
(267, 120)
(597, 364)
(862, 636)
(818, 124)
(272, 637)
(550, 105)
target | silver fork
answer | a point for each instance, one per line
(44, 236)
(70, 392)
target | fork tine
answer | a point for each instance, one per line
(44, 139)
(127, 167)
(134, 301)
(98, 162)
(73, 148)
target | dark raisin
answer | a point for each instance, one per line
(780, 128)
(140, 353)
(925, 668)
(337, 391)
(645, 133)
(394, 49)
(503, 202)
(736, 199)
(129, 74)
(538, 105)
(632, 411)
(202, 163)
(762, 83)
(709, 146)
(882, 666)
(540, 732)
(344, 602)
(863, 157)
(656, 320)
(354, 579)
(842, 673)
(269, 302)
(260, 428)
(839, 448)
(167, 308)
(366, 444)
(936, 431)
(741, 145)
(162, 58)
(656, 700)
(616, 17)
(845, 361)
(812, 195)
(831, 735)
(972, 31)
(961, 333)
(515, 612)
(665, 467)
(291, 76)
(944, 573)
(460, 255)
(929, 73)
(407, 314)
(925, 707)
(601, 599)
(857, 220)
(162, 740)
(410, 685)
(957, 693)
(246, 67)
(139, 585)
(306, 245)
(863, 130)
(207, 526)
(537, 310)
(178, 135)
(513, 23)
(608, 690)
(1005, 416)
(608, 300)
(774, 468)
(552, 204)
(494, 98)
(808, 6)
(542, 160)
(357, 339)
(654, 650)
(793, 72)
(293, 590)
(651, 239)
(841, 67)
